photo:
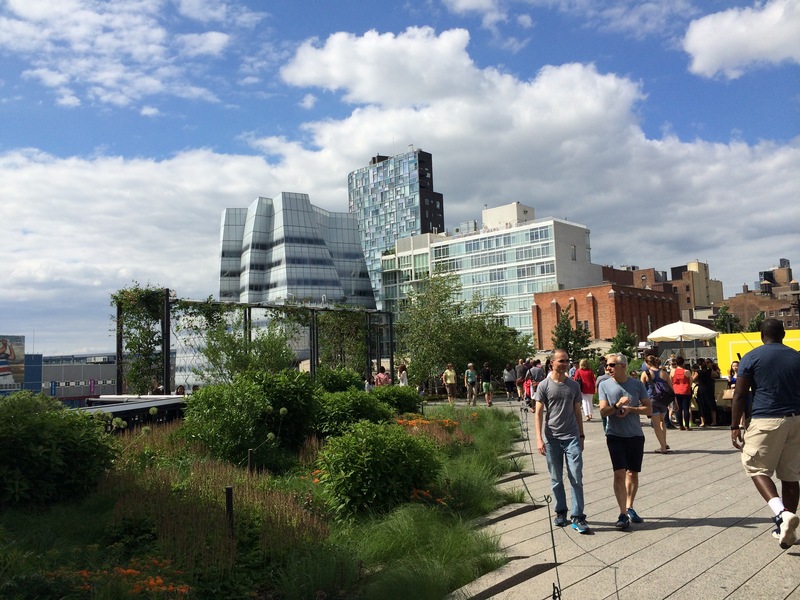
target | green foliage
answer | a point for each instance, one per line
(373, 468)
(48, 453)
(402, 399)
(339, 410)
(271, 413)
(725, 321)
(425, 554)
(755, 322)
(573, 340)
(342, 338)
(228, 351)
(436, 327)
(337, 379)
(624, 342)
(484, 337)
(141, 313)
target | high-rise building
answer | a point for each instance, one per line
(393, 198)
(513, 256)
(285, 248)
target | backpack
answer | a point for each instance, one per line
(659, 392)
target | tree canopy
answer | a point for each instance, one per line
(575, 340)
(436, 327)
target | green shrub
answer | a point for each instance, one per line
(337, 380)
(272, 413)
(402, 399)
(339, 410)
(373, 468)
(47, 452)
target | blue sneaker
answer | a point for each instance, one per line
(622, 522)
(579, 524)
(634, 517)
(561, 519)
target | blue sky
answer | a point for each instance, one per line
(670, 128)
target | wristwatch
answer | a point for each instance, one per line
(735, 428)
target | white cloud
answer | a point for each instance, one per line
(150, 111)
(491, 11)
(525, 21)
(211, 43)
(414, 67)
(566, 141)
(114, 53)
(633, 17)
(732, 41)
(308, 101)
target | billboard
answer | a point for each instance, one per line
(12, 363)
(732, 346)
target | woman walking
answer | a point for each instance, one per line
(585, 377)
(682, 386)
(653, 373)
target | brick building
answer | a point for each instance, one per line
(601, 308)
(777, 296)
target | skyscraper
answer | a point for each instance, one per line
(286, 248)
(393, 198)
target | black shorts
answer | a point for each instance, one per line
(626, 452)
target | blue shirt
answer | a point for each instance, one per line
(774, 373)
(611, 391)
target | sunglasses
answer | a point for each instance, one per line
(614, 365)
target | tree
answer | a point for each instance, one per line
(228, 351)
(755, 322)
(487, 338)
(427, 327)
(140, 313)
(437, 327)
(725, 321)
(573, 340)
(624, 342)
(341, 336)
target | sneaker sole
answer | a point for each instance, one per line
(777, 536)
(581, 531)
(788, 536)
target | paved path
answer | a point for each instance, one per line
(706, 532)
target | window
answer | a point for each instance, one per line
(574, 251)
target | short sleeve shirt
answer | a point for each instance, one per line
(559, 400)
(774, 372)
(611, 391)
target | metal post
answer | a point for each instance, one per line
(391, 344)
(369, 349)
(120, 369)
(313, 338)
(229, 506)
(165, 343)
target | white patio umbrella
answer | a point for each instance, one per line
(680, 331)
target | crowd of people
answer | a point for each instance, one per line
(765, 424)
(765, 417)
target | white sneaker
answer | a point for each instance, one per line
(788, 529)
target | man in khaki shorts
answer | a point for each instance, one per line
(771, 442)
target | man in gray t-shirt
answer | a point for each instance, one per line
(560, 396)
(623, 400)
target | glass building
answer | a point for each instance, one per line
(513, 256)
(393, 198)
(285, 248)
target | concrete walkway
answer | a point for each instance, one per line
(706, 531)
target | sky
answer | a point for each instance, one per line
(670, 128)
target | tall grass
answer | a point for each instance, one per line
(163, 506)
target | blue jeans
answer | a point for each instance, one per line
(556, 450)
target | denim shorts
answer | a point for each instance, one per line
(659, 409)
